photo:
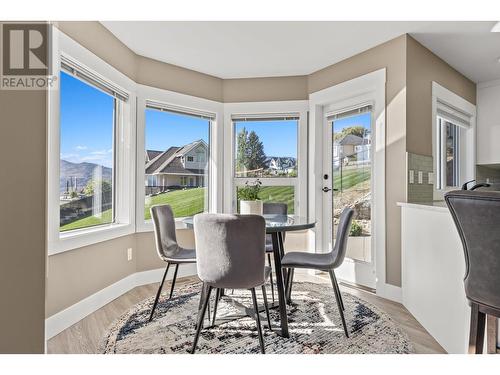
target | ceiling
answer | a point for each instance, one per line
(268, 49)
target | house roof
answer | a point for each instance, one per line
(151, 154)
(170, 161)
(354, 140)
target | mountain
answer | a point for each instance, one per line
(77, 175)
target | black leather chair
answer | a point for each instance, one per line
(323, 262)
(477, 217)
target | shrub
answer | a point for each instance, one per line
(250, 192)
(356, 229)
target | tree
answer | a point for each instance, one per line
(256, 155)
(241, 152)
(105, 186)
(250, 151)
(358, 130)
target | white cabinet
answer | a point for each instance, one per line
(488, 123)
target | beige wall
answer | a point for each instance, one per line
(265, 89)
(74, 275)
(22, 221)
(423, 67)
(392, 56)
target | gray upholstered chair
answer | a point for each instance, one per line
(323, 262)
(477, 217)
(271, 208)
(230, 254)
(167, 247)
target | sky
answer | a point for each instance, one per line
(279, 137)
(359, 120)
(164, 130)
(86, 120)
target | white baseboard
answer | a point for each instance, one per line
(390, 292)
(73, 314)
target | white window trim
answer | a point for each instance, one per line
(187, 102)
(295, 107)
(467, 158)
(368, 88)
(57, 243)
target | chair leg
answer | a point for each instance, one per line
(217, 297)
(266, 306)
(291, 273)
(201, 315)
(271, 274)
(477, 327)
(338, 298)
(173, 280)
(257, 319)
(158, 293)
(338, 291)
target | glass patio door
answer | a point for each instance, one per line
(348, 174)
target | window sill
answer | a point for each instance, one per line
(84, 237)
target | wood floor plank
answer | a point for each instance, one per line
(86, 335)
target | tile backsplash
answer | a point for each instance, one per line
(420, 178)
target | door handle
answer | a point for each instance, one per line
(326, 189)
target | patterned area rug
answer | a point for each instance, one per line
(314, 322)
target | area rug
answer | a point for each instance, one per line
(314, 324)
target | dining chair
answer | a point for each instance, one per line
(323, 261)
(230, 255)
(167, 247)
(272, 208)
(477, 217)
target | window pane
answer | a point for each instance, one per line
(266, 148)
(275, 194)
(351, 173)
(86, 161)
(451, 154)
(177, 150)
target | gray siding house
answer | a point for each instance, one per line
(177, 167)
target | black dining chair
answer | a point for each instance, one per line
(230, 255)
(323, 262)
(167, 247)
(477, 217)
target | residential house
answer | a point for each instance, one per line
(176, 167)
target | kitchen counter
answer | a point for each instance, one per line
(433, 268)
(439, 206)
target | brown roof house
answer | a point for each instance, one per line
(177, 167)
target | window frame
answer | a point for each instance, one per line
(124, 152)
(187, 104)
(460, 108)
(297, 108)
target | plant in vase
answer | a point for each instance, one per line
(248, 197)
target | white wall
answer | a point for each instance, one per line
(488, 122)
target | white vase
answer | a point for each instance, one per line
(251, 207)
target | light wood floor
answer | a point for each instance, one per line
(85, 336)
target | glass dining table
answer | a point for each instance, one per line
(276, 226)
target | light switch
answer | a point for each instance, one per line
(412, 176)
(430, 178)
(420, 177)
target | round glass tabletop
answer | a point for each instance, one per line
(276, 223)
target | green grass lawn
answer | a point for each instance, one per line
(183, 202)
(350, 178)
(281, 194)
(88, 222)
